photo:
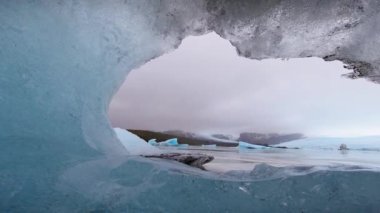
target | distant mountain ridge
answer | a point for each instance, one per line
(183, 138)
(218, 139)
(269, 139)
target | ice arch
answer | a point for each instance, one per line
(61, 62)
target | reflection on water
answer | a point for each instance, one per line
(227, 159)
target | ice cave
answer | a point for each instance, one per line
(61, 62)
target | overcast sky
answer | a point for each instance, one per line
(204, 86)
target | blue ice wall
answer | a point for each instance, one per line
(60, 64)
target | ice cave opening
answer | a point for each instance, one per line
(205, 87)
(61, 62)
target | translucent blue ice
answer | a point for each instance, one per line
(134, 144)
(170, 142)
(153, 142)
(62, 61)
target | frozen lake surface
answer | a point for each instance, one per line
(227, 159)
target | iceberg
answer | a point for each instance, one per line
(62, 61)
(170, 142)
(153, 142)
(133, 144)
(173, 142)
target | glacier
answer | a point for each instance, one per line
(62, 61)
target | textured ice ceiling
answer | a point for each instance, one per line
(61, 61)
(333, 30)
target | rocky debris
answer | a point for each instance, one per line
(284, 147)
(194, 160)
(343, 147)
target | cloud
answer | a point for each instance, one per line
(204, 86)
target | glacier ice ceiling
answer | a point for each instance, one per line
(62, 61)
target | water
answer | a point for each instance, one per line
(227, 159)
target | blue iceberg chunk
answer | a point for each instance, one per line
(153, 142)
(170, 142)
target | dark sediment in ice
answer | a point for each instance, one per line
(194, 160)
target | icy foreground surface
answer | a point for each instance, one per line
(61, 62)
